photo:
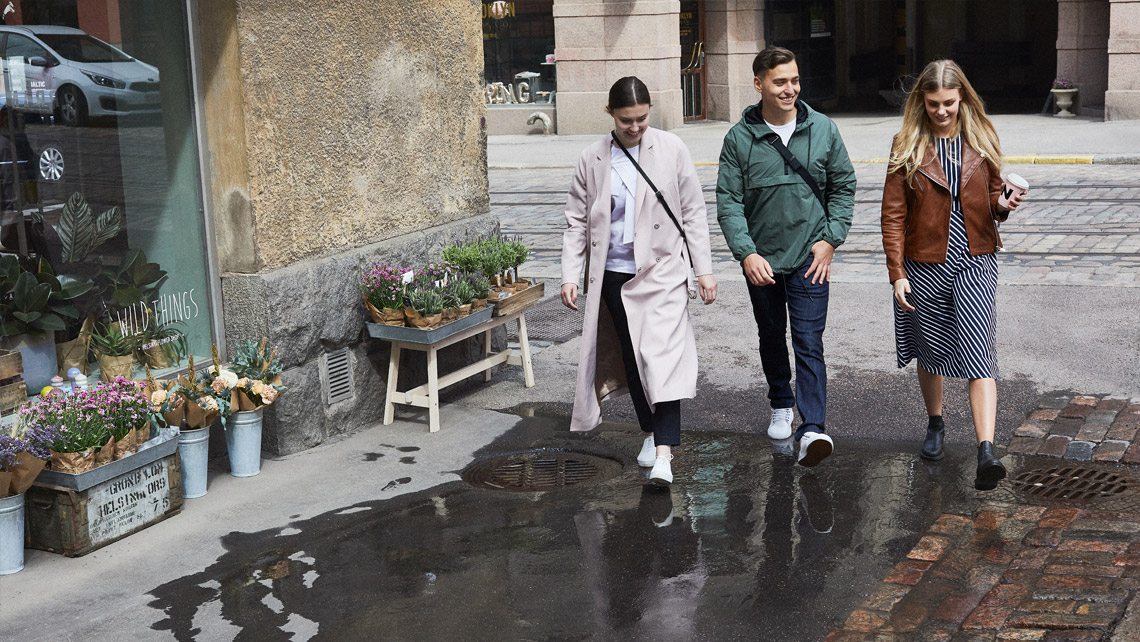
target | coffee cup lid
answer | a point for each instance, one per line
(1016, 179)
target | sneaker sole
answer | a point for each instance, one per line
(660, 481)
(817, 451)
(643, 464)
(777, 436)
(989, 477)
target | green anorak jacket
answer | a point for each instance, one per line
(765, 207)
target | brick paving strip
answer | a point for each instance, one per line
(1010, 573)
(1081, 428)
(1025, 572)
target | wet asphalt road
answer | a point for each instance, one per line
(745, 545)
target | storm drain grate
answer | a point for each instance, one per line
(1071, 483)
(540, 470)
(549, 320)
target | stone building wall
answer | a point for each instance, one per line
(339, 135)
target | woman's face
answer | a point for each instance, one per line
(630, 123)
(942, 110)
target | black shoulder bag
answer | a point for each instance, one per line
(794, 163)
(660, 199)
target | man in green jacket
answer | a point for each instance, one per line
(779, 228)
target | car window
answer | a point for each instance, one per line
(83, 48)
(24, 47)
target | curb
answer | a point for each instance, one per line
(1026, 159)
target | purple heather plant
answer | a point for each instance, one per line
(1060, 82)
(9, 447)
(84, 419)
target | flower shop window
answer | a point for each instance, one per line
(100, 198)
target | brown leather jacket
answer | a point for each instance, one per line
(916, 217)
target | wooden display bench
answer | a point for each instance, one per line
(432, 341)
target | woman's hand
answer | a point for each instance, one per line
(570, 295)
(1015, 200)
(706, 285)
(902, 288)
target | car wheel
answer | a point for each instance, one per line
(72, 106)
(51, 163)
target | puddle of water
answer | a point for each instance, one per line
(743, 542)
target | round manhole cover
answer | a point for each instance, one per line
(540, 470)
(1071, 483)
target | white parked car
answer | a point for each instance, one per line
(67, 73)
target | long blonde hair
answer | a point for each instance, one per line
(911, 142)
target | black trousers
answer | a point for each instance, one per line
(665, 421)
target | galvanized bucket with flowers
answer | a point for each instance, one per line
(23, 454)
(253, 382)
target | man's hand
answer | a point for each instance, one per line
(570, 295)
(757, 270)
(902, 288)
(706, 285)
(821, 255)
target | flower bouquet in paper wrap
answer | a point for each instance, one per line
(201, 404)
(23, 454)
(125, 409)
(166, 404)
(259, 376)
(74, 431)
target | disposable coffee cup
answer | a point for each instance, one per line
(1014, 184)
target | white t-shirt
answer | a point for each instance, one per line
(783, 131)
(623, 210)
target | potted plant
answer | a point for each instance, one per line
(423, 307)
(161, 344)
(1063, 91)
(23, 452)
(480, 287)
(114, 351)
(516, 253)
(33, 304)
(383, 290)
(258, 385)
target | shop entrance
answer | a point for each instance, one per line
(694, 95)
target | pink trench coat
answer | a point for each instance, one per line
(656, 299)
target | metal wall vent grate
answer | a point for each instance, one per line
(540, 470)
(1071, 483)
(336, 375)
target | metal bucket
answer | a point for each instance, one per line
(194, 449)
(243, 441)
(11, 534)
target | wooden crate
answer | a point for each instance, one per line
(12, 396)
(76, 522)
(518, 300)
(11, 364)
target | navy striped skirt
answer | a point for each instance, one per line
(952, 331)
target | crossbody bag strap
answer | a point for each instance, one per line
(794, 163)
(658, 194)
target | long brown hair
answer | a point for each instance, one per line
(916, 134)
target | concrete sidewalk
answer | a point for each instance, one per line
(1025, 139)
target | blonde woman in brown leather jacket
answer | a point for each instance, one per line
(940, 235)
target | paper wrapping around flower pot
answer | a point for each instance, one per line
(426, 321)
(73, 354)
(156, 357)
(5, 482)
(24, 472)
(198, 417)
(111, 367)
(126, 446)
(478, 304)
(142, 433)
(387, 316)
(73, 463)
(464, 309)
(106, 453)
(239, 400)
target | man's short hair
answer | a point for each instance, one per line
(771, 58)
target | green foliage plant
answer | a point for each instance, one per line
(32, 299)
(424, 300)
(108, 341)
(165, 335)
(80, 231)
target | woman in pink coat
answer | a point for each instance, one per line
(636, 335)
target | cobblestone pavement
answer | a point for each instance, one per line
(1081, 428)
(1081, 225)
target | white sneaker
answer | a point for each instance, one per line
(662, 473)
(781, 425)
(648, 453)
(814, 448)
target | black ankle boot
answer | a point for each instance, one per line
(932, 445)
(990, 469)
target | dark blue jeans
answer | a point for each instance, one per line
(796, 298)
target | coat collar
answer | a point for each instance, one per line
(648, 141)
(930, 166)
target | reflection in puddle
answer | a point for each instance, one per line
(743, 542)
